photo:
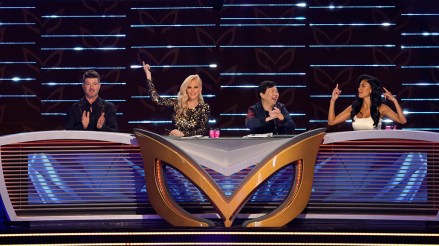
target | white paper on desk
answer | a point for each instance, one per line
(194, 136)
(263, 135)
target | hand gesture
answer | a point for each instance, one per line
(85, 120)
(147, 70)
(335, 93)
(388, 95)
(275, 113)
(101, 121)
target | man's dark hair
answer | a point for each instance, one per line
(91, 74)
(264, 86)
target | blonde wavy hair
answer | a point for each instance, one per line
(182, 96)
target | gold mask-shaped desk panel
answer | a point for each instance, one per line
(158, 151)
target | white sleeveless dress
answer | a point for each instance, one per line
(365, 124)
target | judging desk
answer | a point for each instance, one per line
(77, 175)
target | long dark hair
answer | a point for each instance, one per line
(375, 99)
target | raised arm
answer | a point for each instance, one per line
(386, 111)
(155, 97)
(147, 70)
(343, 116)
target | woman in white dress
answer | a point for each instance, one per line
(368, 110)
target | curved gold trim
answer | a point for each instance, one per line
(300, 150)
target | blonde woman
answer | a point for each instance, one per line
(191, 113)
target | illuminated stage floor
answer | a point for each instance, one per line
(158, 232)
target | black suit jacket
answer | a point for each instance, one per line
(74, 116)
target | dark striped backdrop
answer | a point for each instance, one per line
(306, 47)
